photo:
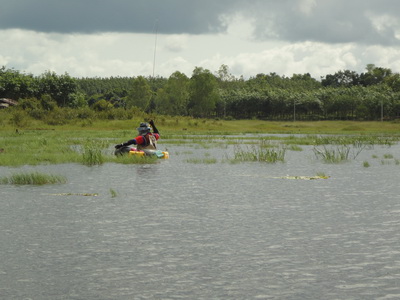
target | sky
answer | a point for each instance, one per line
(104, 38)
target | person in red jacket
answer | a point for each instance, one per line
(146, 140)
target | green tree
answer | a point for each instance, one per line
(203, 93)
(140, 94)
(344, 78)
(15, 85)
(58, 87)
(173, 98)
(374, 75)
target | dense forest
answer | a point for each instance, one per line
(345, 95)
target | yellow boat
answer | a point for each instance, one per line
(158, 153)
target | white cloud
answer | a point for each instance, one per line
(176, 43)
(128, 54)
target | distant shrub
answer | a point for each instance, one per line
(19, 118)
(85, 113)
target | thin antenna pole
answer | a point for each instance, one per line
(155, 48)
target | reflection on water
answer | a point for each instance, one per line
(205, 231)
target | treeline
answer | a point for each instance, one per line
(344, 95)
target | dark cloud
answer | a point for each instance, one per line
(173, 16)
(330, 21)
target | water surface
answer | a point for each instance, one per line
(178, 230)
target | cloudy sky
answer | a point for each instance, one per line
(105, 38)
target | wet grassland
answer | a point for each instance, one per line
(263, 142)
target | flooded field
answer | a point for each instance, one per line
(198, 226)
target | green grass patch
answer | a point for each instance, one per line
(34, 178)
(259, 153)
(92, 155)
(37, 142)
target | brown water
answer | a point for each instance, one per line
(178, 230)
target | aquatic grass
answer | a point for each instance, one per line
(40, 143)
(92, 155)
(366, 164)
(259, 153)
(337, 153)
(355, 140)
(34, 178)
(332, 154)
(322, 175)
(294, 148)
(113, 193)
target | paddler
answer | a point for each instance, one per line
(146, 140)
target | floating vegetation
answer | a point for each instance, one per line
(260, 153)
(113, 193)
(34, 178)
(201, 160)
(305, 177)
(76, 194)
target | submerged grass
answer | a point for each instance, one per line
(201, 160)
(113, 193)
(34, 178)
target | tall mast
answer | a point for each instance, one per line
(155, 47)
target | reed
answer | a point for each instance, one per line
(34, 178)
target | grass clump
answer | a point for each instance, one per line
(92, 155)
(260, 153)
(34, 178)
(332, 154)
